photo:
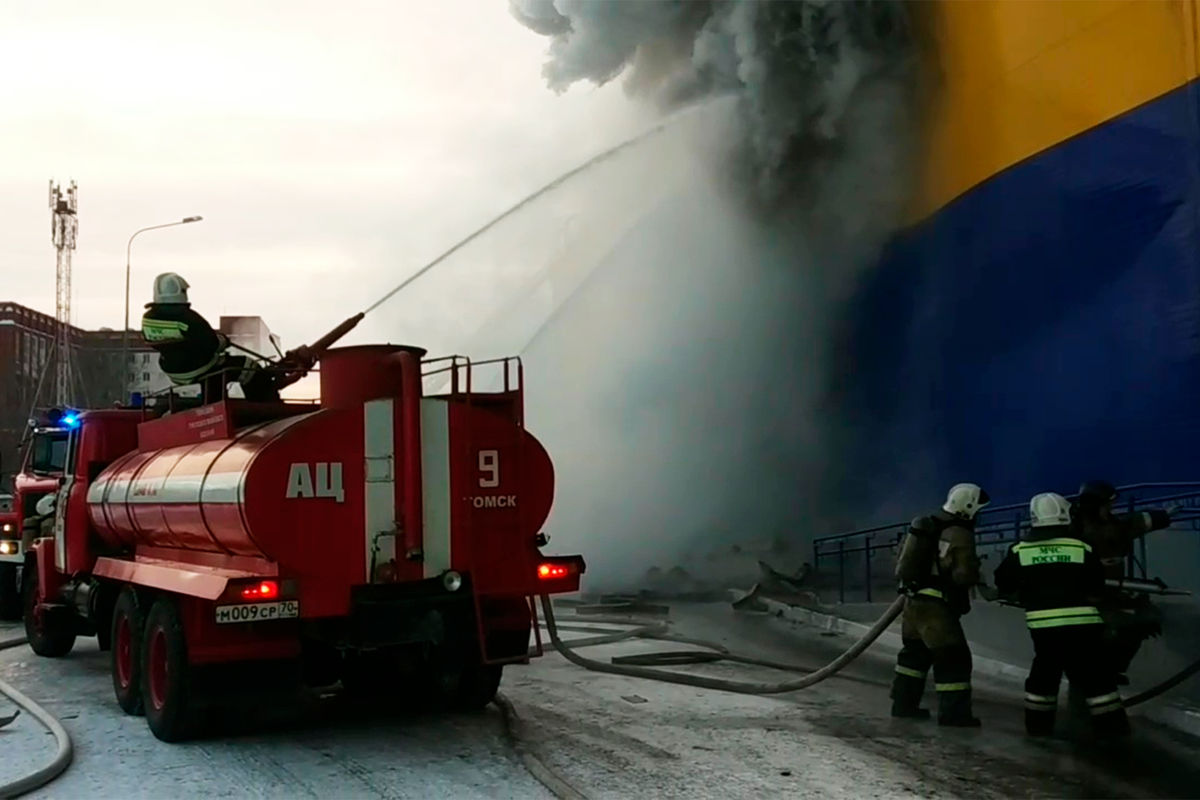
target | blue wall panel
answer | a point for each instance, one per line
(1042, 329)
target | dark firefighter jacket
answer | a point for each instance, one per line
(186, 344)
(955, 568)
(1112, 538)
(1055, 576)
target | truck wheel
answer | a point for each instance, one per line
(477, 686)
(128, 628)
(50, 632)
(10, 597)
(166, 675)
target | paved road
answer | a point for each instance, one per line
(294, 755)
(620, 737)
(611, 737)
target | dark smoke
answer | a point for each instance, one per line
(794, 68)
(683, 392)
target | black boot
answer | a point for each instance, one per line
(954, 709)
(906, 697)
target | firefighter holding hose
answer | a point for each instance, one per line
(1129, 619)
(190, 351)
(937, 569)
(1057, 578)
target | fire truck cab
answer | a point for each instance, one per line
(41, 473)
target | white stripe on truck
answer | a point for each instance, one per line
(435, 477)
(379, 510)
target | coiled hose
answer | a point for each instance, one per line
(65, 752)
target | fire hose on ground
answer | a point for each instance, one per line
(63, 755)
(638, 666)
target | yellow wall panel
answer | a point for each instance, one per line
(1015, 77)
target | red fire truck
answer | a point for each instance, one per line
(376, 533)
(41, 469)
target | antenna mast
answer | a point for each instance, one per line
(63, 227)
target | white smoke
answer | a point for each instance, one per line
(682, 389)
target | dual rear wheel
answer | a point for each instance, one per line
(150, 670)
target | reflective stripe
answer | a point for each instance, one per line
(188, 377)
(1048, 699)
(932, 593)
(1065, 622)
(379, 486)
(158, 330)
(952, 687)
(1065, 552)
(1106, 709)
(1059, 617)
(1104, 698)
(1059, 542)
(1054, 613)
(912, 673)
(1147, 520)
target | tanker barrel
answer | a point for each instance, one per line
(325, 342)
(308, 355)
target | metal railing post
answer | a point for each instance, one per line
(867, 565)
(841, 570)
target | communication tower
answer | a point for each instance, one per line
(64, 225)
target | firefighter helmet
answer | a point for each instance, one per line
(1049, 509)
(170, 288)
(964, 500)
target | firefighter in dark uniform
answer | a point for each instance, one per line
(1130, 618)
(1057, 578)
(937, 569)
(190, 351)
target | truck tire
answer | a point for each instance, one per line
(128, 627)
(167, 691)
(476, 686)
(51, 634)
(11, 608)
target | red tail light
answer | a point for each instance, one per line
(263, 590)
(548, 571)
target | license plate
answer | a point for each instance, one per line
(257, 612)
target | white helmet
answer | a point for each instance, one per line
(965, 499)
(170, 288)
(1048, 509)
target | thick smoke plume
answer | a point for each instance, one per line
(683, 385)
(794, 68)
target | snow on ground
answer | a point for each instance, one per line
(363, 756)
(610, 736)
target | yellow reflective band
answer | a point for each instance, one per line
(932, 593)
(1104, 698)
(1062, 623)
(1053, 613)
(155, 330)
(1050, 699)
(1063, 541)
(912, 673)
(952, 687)
(1107, 709)
(188, 377)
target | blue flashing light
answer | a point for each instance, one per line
(70, 419)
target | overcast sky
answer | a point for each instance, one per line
(332, 148)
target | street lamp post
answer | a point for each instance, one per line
(128, 250)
